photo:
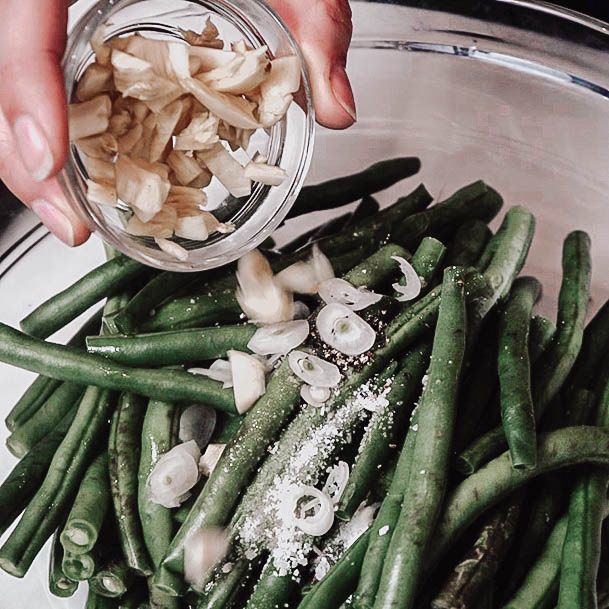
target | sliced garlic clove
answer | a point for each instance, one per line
(89, 118)
(313, 370)
(249, 382)
(343, 330)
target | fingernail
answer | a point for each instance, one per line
(341, 88)
(33, 148)
(54, 220)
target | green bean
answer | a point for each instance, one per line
(105, 280)
(96, 601)
(547, 503)
(43, 513)
(340, 580)
(475, 201)
(377, 269)
(515, 372)
(379, 228)
(221, 596)
(437, 410)
(172, 348)
(271, 590)
(45, 419)
(263, 423)
(572, 309)
(88, 512)
(226, 428)
(340, 191)
(553, 369)
(26, 477)
(366, 208)
(373, 556)
(124, 458)
(59, 584)
(78, 567)
(427, 259)
(330, 227)
(159, 433)
(582, 548)
(159, 600)
(375, 445)
(480, 491)
(540, 587)
(67, 364)
(512, 244)
(467, 245)
(156, 291)
(35, 396)
(42, 388)
(594, 347)
(470, 578)
(111, 579)
(479, 386)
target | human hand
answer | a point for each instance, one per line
(33, 117)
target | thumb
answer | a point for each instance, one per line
(323, 29)
(32, 40)
(33, 116)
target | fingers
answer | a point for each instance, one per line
(323, 29)
(33, 118)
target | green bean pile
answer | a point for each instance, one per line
(453, 498)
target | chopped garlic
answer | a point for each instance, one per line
(276, 91)
(144, 189)
(120, 123)
(265, 174)
(161, 226)
(101, 193)
(185, 168)
(166, 123)
(127, 142)
(104, 146)
(235, 110)
(99, 170)
(135, 77)
(207, 38)
(241, 75)
(201, 133)
(171, 248)
(90, 117)
(228, 170)
(100, 48)
(97, 79)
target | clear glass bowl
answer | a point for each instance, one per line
(512, 92)
(288, 144)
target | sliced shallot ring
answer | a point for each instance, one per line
(413, 282)
(313, 370)
(174, 475)
(337, 481)
(315, 396)
(279, 338)
(318, 523)
(341, 291)
(343, 330)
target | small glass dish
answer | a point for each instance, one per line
(288, 144)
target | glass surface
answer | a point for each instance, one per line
(288, 144)
(513, 93)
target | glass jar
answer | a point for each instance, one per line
(288, 144)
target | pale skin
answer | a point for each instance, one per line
(33, 119)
